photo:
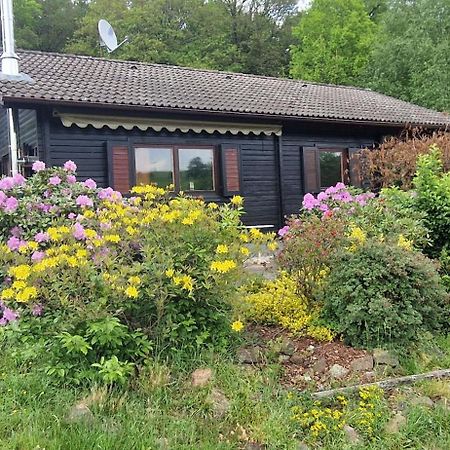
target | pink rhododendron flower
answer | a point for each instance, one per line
(70, 166)
(322, 196)
(71, 179)
(37, 256)
(11, 204)
(37, 310)
(105, 225)
(309, 201)
(83, 201)
(54, 180)
(38, 166)
(6, 183)
(14, 243)
(42, 237)
(90, 183)
(78, 232)
(339, 186)
(3, 198)
(283, 231)
(19, 179)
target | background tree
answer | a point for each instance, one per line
(334, 39)
(411, 55)
(26, 16)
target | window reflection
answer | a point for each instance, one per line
(154, 166)
(196, 169)
(330, 168)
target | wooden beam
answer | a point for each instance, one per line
(385, 384)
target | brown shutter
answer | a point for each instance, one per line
(311, 174)
(354, 167)
(119, 167)
(231, 170)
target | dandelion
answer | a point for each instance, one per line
(170, 273)
(222, 249)
(237, 326)
(135, 280)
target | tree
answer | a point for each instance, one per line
(334, 39)
(26, 15)
(411, 57)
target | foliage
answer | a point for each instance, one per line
(225, 35)
(334, 39)
(432, 188)
(409, 57)
(382, 293)
(330, 416)
(277, 302)
(96, 261)
(394, 163)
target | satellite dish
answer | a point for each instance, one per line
(108, 37)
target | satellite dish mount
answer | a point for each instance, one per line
(108, 38)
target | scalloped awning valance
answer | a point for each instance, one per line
(157, 124)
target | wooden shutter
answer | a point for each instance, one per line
(119, 167)
(354, 167)
(311, 174)
(231, 170)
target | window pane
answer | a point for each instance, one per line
(154, 166)
(196, 169)
(330, 168)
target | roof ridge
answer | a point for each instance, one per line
(197, 69)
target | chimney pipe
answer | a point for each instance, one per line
(10, 60)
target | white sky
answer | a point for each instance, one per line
(302, 4)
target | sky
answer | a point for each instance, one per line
(302, 4)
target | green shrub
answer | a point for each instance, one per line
(382, 293)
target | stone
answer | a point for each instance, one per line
(250, 355)
(369, 376)
(310, 348)
(395, 424)
(298, 358)
(283, 358)
(254, 446)
(287, 347)
(422, 400)
(338, 371)
(363, 364)
(201, 377)
(385, 358)
(303, 446)
(220, 404)
(320, 365)
(351, 434)
(80, 413)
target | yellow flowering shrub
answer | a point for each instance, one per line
(278, 302)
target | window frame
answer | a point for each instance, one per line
(344, 164)
(176, 163)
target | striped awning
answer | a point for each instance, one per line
(144, 123)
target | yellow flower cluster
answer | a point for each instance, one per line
(319, 421)
(277, 302)
(357, 237)
(404, 243)
(185, 281)
(237, 326)
(223, 266)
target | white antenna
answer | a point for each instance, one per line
(108, 37)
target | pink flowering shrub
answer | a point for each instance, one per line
(113, 278)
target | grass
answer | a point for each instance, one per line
(161, 410)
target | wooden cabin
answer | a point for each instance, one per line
(209, 133)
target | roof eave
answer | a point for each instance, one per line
(11, 101)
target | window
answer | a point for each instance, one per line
(330, 168)
(187, 168)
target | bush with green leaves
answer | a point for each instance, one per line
(382, 293)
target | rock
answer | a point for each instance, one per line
(310, 348)
(362, 364)
(254, 446)
(338, 371)
(220, 404)
(298, 358)
(283, 358)
(395, 424)
(303, 446)
(80, 413)
(351, 434)
(201, 377)
(385, 358)
(369, 376)
(320, 365)
(250, 355)
(287, 347)
(422, 400)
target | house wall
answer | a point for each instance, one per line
(259, 160)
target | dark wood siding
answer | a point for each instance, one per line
(259, 160)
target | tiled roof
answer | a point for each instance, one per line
(88, 80)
